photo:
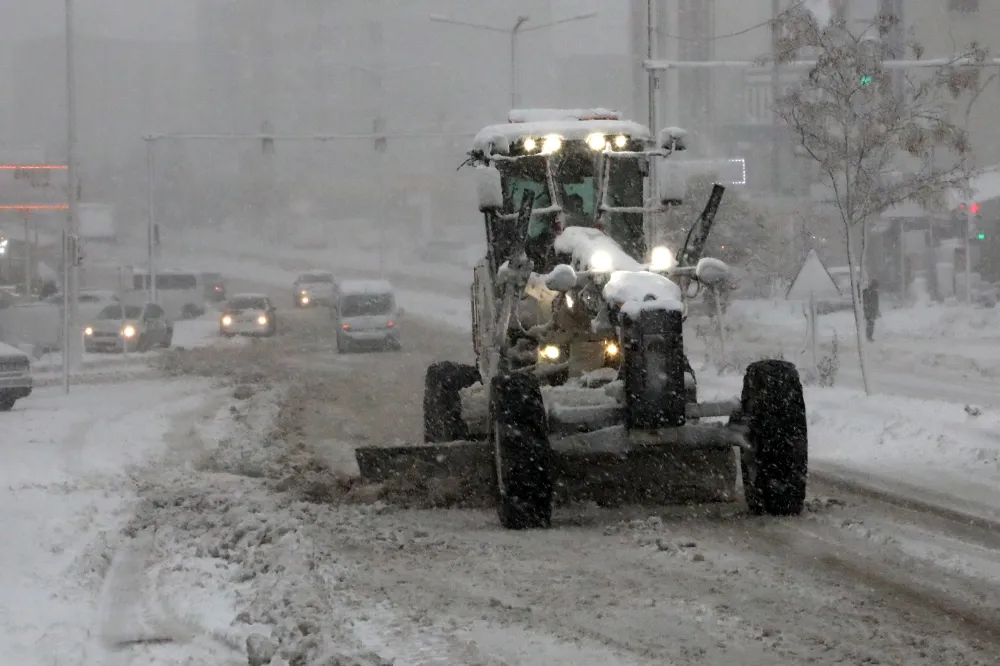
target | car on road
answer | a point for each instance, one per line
(128, 328)
(180, 292)
(214, 287)
(366, 314)
(248, 314)
(314, 287)
(39, 324)
(15, 376)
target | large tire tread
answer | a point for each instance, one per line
(773, 405)
(442, 400)
(523, 458)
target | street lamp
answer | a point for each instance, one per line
(513, 32)
(379, 130)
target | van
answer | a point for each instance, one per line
(181, 293)
(366, 314)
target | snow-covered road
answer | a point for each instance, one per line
(218, 521)
(855, 580)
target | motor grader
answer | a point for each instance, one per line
(582, 389)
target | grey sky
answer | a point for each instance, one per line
(134, 19)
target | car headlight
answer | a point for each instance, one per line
(601, 262)
(551, 352)
(88, 331)
(227, 320)
(661, 258)
(305, 299)
(262, 320)
(129, 331)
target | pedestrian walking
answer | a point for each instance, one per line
(869, 303)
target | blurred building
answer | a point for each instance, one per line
(125, 89)
(728, 109)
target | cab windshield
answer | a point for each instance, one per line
(114, 312)
(576, 172)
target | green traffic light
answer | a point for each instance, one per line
(981, 236)
(866, 79)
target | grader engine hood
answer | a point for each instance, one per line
(592, 250)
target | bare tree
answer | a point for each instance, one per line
(873, 142)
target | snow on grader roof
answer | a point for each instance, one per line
(570, 125)
(547, 115)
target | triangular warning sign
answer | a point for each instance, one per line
(812, 279)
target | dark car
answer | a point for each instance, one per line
(215, 287)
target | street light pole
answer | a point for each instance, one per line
(70, 278)
(521, 20)
(379, 132)
(513, 33)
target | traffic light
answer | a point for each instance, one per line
(981, 236)
(866, 79)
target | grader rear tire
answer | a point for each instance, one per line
(443, 403)
(774, 409)
(523, 459)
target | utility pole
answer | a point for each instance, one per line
(775, 94)
(72, 343)
(513, 32)
(651, 85)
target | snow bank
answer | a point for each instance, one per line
(68, 472)
(942, 448)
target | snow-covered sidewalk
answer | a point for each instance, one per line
(947, 453)
(70, 475)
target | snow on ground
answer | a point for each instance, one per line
(948, 453)
(69, 464)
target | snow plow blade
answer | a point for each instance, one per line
(621, 469)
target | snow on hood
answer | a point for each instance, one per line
(11, 352)
(583, 242)
(642, 290)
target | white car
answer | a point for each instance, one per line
(15, 376)
(248, 314)
(316, 287)
(366, 314)
(131, 328)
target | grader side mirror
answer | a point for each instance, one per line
(712, 272)
(489, 187)
(673, 139)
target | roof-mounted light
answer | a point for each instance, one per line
(551, 144)
(597, 141)
(529, 145)
(621, 141)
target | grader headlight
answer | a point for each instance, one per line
(611, 349)
(661, 258)
(601, 262)
(550, 353)
(597, 141)
(551, 144)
